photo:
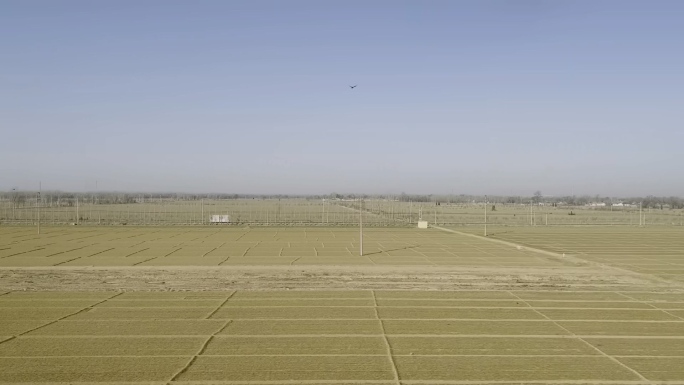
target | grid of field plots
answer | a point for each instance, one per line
(657, 250)
(214, 246)
(374, 337)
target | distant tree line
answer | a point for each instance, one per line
(59, 198)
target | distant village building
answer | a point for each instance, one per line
(220, 219)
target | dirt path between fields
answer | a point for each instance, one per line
(209, 278)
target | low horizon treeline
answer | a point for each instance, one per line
(61, 198)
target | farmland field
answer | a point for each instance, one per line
(317, 212)
(385, 336)
(272, 305)
(656, 251)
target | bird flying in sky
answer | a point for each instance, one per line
(354, 86)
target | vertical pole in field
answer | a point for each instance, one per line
(202, 204)
(76, 210)
(360, 230)
(531, 220)
(640, 220)
(40, 188)
(485, 221)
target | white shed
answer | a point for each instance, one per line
(220, 219)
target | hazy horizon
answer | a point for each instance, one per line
(473, 97)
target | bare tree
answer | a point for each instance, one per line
(537, 197)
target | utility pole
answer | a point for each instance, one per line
(40, 188)
(531, 220)
(485, 206)
(361, 231)
(202, 206)
(640, 215)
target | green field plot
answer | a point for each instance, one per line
(298, 252)
(481, 327)
(6, 302)
(433, 368)
(272, 345)
(570, 296)
(313, 294)
(306, 327)
(15, 326)
(657, 297)
(456, 313)
(129, 328)
(101, 346)
(259, 261)
(88, 369)
(608, 314)
(668, 305)
(98, 260)
(657, 368)
(56, 296)
(329, 261)
(489, 346)
(25, 261)
(354, 302)
(153, 296)
(280, 368)
(428, 295)
(650, 250)
(132, 313)
(229, 246)
(399, 261)
(451, 303)
(668, 346)
(179, 260)
(45, 313)
(150, 303)
(295, 313)
(590, 305)
(625, 328)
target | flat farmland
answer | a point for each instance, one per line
(233, 305)
(656, 251)
(341, 337)
(231, 246)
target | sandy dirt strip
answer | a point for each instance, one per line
(201, 278)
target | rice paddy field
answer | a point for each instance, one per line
(300, 305)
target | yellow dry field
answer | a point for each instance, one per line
(231, 246)
(378, 336)
(255, 307)
(654, 250)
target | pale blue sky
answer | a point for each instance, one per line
(483, 97)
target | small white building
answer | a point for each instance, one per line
(597, 204)
(220, 219)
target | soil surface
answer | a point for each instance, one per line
(199, 278)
